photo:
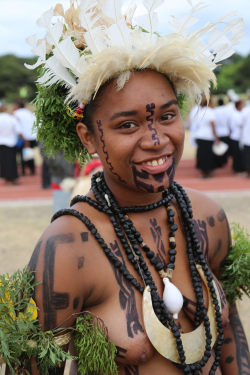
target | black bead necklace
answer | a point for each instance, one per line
(132, 243)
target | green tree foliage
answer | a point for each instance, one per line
(15, 77)
(234, 73)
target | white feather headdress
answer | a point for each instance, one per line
(94, 41)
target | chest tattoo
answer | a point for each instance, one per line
(201, 232)
(126, 296)
(131, 370)
(157, 237)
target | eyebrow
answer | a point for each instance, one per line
(123, 114)
(168, 104)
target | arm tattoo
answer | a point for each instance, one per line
(242, 351)
(85, 236)
(53, 300)
(34, 258)
(131, 370)
(157, 237)
(211, 221)
(126, 296)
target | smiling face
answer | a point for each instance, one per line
(138, 134)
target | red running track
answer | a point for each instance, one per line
(187, 175)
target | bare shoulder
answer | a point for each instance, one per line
(212, 228)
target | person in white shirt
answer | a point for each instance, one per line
(9, 132)
(26, 120)
(205, 135)
(221, 122)
(245, 139)
(236, 126)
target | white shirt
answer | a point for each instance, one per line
(221, 122)
(245, 139)
(236, 125)
(9, 130)
(202, 124)
(26, 119)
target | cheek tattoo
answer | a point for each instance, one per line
(171, 172)
(150, 109)
(100, 129)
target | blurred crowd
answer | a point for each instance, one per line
(220, 129)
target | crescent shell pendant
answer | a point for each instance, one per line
(193, 342)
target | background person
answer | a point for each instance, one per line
(26, 120)
(9, 132)
(205, 135)
(236, 127)
(221, 122)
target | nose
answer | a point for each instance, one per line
(153, 138)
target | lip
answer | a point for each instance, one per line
(156, 168)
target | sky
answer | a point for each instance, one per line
(18, 20)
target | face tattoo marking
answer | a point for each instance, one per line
(121, 352)
(171, 172)
(150, 108)
(99, 126)
(52, 300)
(141, 184)
(126, 296)
(84, 236)
(157, 237)
(80, 263)
(34, 259)
(201, 232)
(211, 221)
(131, 370)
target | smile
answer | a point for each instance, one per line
(156, 166)
(156, 162)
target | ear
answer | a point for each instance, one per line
(86, 137)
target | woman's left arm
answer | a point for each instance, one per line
(235, 354)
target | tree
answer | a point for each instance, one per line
(15, 77)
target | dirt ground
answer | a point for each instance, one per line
(23, 225)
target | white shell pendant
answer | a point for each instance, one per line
(172, 298)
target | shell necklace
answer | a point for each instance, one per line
(178, 347)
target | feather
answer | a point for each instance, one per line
(151, 6)
(56, 72)
(54, 33)
(89, 18)
(45, 20)
(39, 50)
(68, 55)
(113, 9)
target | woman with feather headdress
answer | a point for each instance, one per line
(132, 268)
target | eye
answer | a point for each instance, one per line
(127, 125)
(168, 116)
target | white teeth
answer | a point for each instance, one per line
(155, 162)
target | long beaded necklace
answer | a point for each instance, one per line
(133, 246)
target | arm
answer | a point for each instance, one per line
(235, 354)
(55, 261)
